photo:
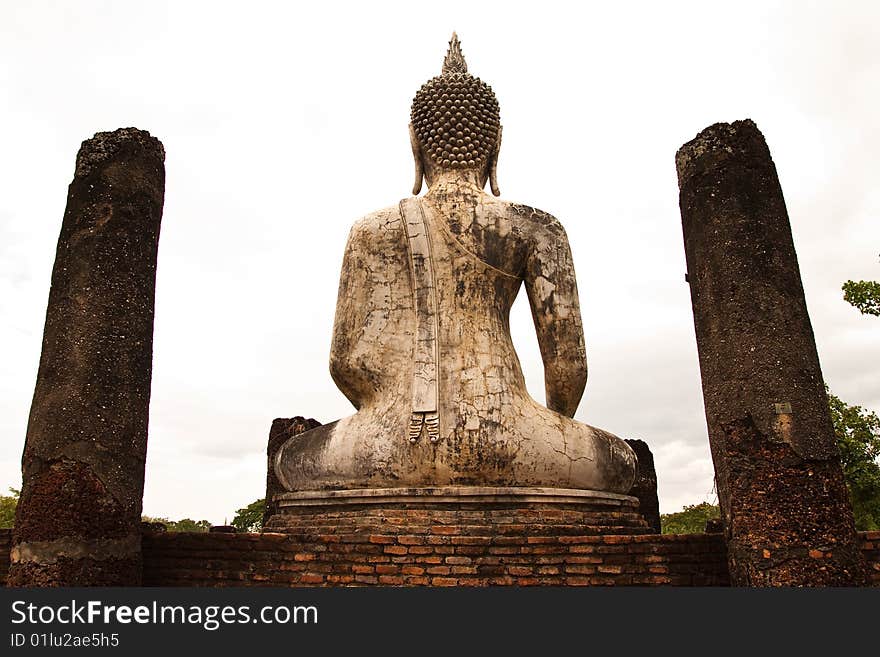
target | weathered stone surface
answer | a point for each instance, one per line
(78, 519)
(282, 430)
(645, 486)
(784, 504)
(421, 342)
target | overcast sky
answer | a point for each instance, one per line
(285, 122)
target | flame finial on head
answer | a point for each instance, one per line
(454, 60)
(455, 121)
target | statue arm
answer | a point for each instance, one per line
(348, 371)
(552, 291)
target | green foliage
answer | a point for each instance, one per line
(864, 295)
(7, 509)
(185, 525)
(691, 520)
(858, 438)
(250, 518)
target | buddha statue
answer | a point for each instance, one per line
(421, 341)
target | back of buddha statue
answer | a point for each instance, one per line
(422, 344)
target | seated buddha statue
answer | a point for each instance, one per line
(421, 340)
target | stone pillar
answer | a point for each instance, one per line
(785, 510)
(281, 430)
(645, 486)
(78, 518)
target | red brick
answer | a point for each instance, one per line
(445, 530)
(433, 558)
(471, 581)
(577, 581)
(464, 570)
(579, 559)
(304, 556)
(396, 580)
(438, 570)
(471, 540)
(411, 540)
(579, 539)
(614, 540)
(412, 570)
(308, 578)
(458, 561)
(395, 549)
(357, 568)
(289, 565)
(382, 539)
(444, 581)
(387, 569)
(579, 569)
(520, 571)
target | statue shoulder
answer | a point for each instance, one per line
(378, 222)
(535, 221)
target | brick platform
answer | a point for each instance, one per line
(471, 511)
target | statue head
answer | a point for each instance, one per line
(455, 125)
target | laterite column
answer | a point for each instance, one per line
(78, 519)
(785, 509)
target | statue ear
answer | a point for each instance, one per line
(417, 158)
(493, 166)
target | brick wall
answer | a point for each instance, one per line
(442, 557)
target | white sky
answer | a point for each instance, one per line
(285, 122)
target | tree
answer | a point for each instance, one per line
(250, 518)
(858, 437)
(7, 509)
(189, 525)
(864, 295)
(185, 525)
(691, 520)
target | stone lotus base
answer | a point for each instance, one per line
(460, 510)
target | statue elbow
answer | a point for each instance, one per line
(565, 382)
